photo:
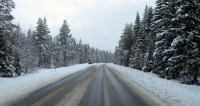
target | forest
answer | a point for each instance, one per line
(165, 41)
(22, 53)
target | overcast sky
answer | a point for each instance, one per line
(97, 22)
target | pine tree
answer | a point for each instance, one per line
(73, 51)
(58, 57)
(33, 51)
(38, 41)
(41, 43)
(80, 52)
(47, 45)
(185, 49)
(93, 56)
(163, 15)
(28, 58)
(18, 40)
(6, 59)
(65, 40)
(116, 56)
(149, 39)
(86, 48)
(125, 44)
(137, 47)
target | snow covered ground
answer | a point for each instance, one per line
(170, 91)
(15, 88)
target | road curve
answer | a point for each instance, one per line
(96, 86)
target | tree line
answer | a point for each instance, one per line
(25, 52)
(166, 41)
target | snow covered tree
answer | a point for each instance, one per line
(137, 48)
(80, 51)
(48, 45)
(65, 40)
(120, 52)
(36, 49)
(117, 56)
(86, 49)
(28, 58)
(38, 42)
(162, 23)
(6, 59)
(41, 43)
(125, 44)
(185, 49)
(98, 56)
(149, 39)
(18, 40)
(173, 26)
(73, 52)
(58, 57)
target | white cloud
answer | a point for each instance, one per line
(97, 22)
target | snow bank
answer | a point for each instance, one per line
(15, 88)
(171, 91)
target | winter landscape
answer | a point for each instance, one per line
(79, 53)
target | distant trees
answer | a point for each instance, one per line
(24, 52)
(166, 41)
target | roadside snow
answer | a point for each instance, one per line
(15, 88)
(170, 91)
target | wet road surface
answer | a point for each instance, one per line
(98, 85)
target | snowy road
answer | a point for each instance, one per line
(97, 85)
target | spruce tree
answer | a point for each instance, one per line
(28, 58)
(80, 52)
(149, 39)
(137, 47)
(6, 59)
(58, 57)
(73, 52)
(65, 42)
(162, 23)
(184, 60)
(116, 56)
(125, 44)
(18, 39)
(86, 48)
(41, 43)
(47, 45)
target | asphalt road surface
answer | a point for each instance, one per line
(98, 85)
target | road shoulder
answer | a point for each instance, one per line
(147, 96)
